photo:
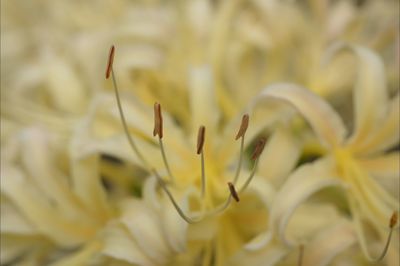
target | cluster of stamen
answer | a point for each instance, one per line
(233, 193)
(158, 131)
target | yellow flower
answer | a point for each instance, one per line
(357, 162)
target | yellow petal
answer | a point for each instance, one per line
(369, 95)
(326, 123)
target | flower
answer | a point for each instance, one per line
(356, 162)
(53, 81)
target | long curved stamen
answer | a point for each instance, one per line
(392, 224)
(256, 156)
(241, 134)
(110, 71)
(158, 130)
(200, 145)
(181, 213)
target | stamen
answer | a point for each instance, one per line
(241, 133)
(200, 144)
(256, 156)
(258, 149)
(158, 121)
(109, 71)
(392, 224)
(172, 199)
(301, 255)
(110, 61)
(200, 139)
(243, 127)
(158, 130)
(233, 192)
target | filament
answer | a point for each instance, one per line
(301, 255)
(125, 125)
(165, 160)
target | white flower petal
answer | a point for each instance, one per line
(39, 211)
(11, 221)
(280, 156)
(145, 227)
(329, 244)
(202, 99)
(326, 123)
(88, 187)
(265, 257)
(120, 245)
(81, 257)
(370, 95)
(386, 135)
(39, 163)
(304, 182)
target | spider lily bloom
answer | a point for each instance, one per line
(356, 162)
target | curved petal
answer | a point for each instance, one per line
(280, 156)
(266, 257)
(369, 95)
(266, 193)
(387, 135)
(202, 99)
(304, 182)
(39, 211)
(82, 256)
(119, 244)
(145, 228)
(387, 165)
(326, 123)
(328, 244)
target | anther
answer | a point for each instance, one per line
(158, 121)
(233, 191)
(200, 139)
(393, 220)
(200, 144)
(258, 149)
(256, 156)
(243, 127)
(110, 61)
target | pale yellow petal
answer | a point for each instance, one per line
(369, 95)
(326, 123)
(120, 245)
(328, 244)
(280, 156)
(145, 227)
(386, 135)
(304, 182)
(39, 211)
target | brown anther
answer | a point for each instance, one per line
(393, 219)
(158, 121)
(110, 61)
(243, 126)
(200, 139)
(233, 191)
(259, 148)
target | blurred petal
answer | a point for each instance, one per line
(145, 228)
(328, 244)
(326, 123)
(387, 134)
(304, 182)
(120, 245)
(370, 95)
(280, 156)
